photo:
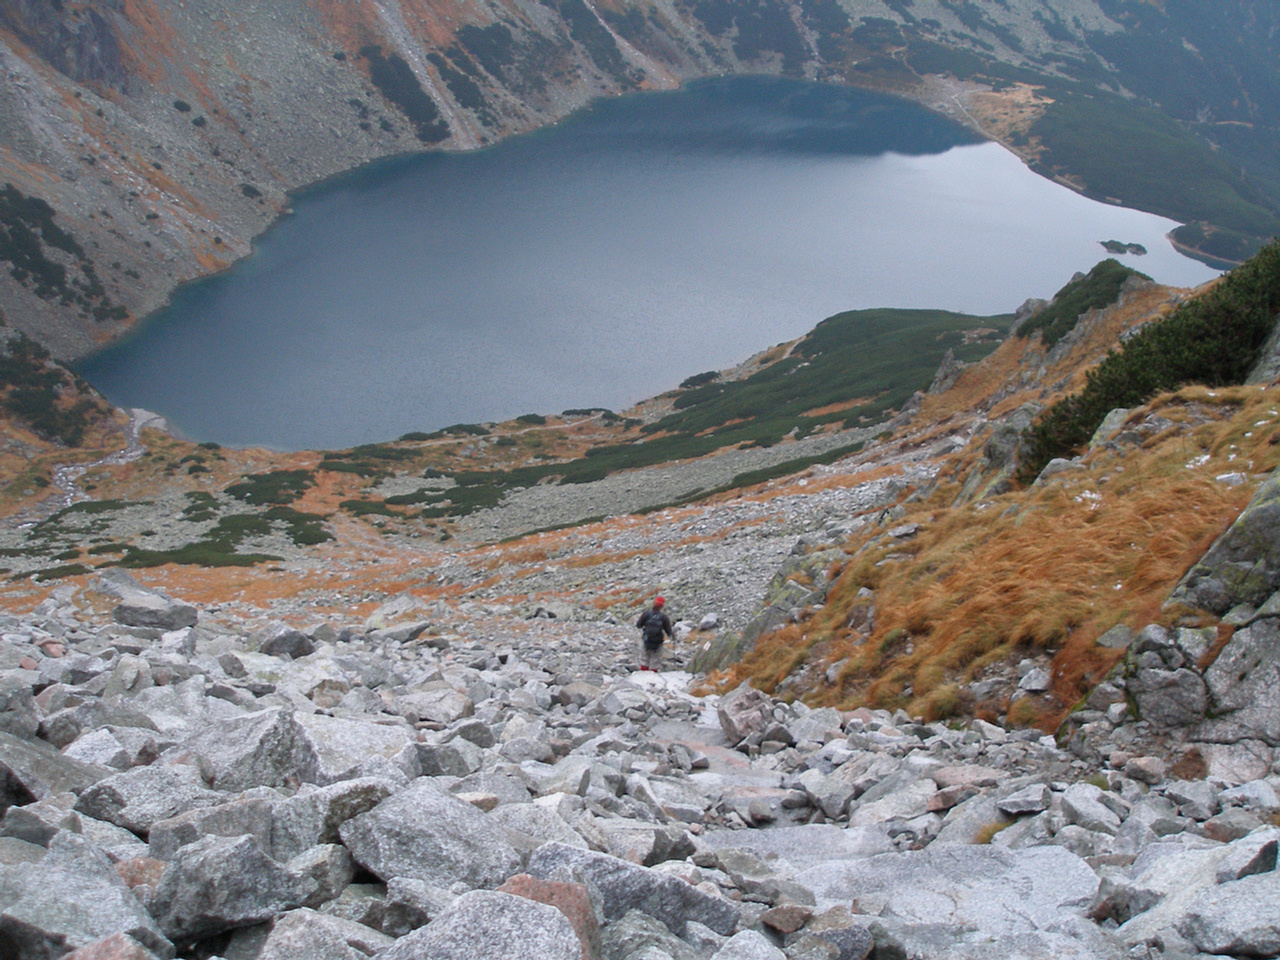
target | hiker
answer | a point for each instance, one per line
(653, 623)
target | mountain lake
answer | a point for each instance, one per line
(604, 260)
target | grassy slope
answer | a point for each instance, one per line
(1041, 571)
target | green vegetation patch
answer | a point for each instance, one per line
(699, 379)
(758, 29)
(276, 486)
(35, 248)
(884, 355)
(57, 573)
(303, 528)
(1099, 288)
(464, 89)
(395, 78)
(585, 27)
(1214, 339)
(1141, 158)
(200, 507)
(364, 508)
(52, 401)
(219, 546)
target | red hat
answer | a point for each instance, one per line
(658, 601)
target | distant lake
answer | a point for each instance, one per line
(603, 260)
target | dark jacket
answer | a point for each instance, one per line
(655, 623)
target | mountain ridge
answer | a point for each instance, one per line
(158, 143)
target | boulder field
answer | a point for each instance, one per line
(171, 787)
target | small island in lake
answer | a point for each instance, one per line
(1115, 246)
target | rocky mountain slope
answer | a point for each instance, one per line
(397, 734)
(145, 144)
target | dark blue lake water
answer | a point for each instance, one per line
(603, 261)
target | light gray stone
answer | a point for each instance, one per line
(307, 935)
(743, 711)
(143, 796)
(411, 904)
(457, 758)
(221, 883)
(1244, 679)
(347, 749)
(263, 749)
(800, 847)
(1036, 681)
(18, 715)
(1240, 919)
(14, 851)
(999, 892)
(1169, 698)
(638, 936)
(243, 817)
(1032, 798)
(101, 748)
(438, 706)
(1082, 805)
(1254, 795)
(33, 770)
(70, 899)
(139, 608)
(1255, 853)
(626, 886)
(834, 793)
(330, 866)
(534, 826)
(748, 945)
(1074, 938)
(313, 815)
(1168, 877)
(425, 833)
(487, 925)
(278, 639)
(1195, 798)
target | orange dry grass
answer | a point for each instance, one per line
(1048, 569)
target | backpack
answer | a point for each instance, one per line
(653, 630)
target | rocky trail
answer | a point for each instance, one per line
(200, 783)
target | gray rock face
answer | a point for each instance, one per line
(1000, 892)
(281, 640)
(639, 935)
(1082, 805)
(246, 817)
(307, 935)
(748, 945)
(313, 815)
(1240, 919)
(1243, 565)
(263, 749)
(344, 749)
(744, 711)
(67, 900)
(221, 883)
(1244, 680)
(426, 834)
(17, 708)
(140, 607)
(141, 797)
(263, 780)
(626, 886)
(32, 770)
(1169, 697)
(487, 925)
